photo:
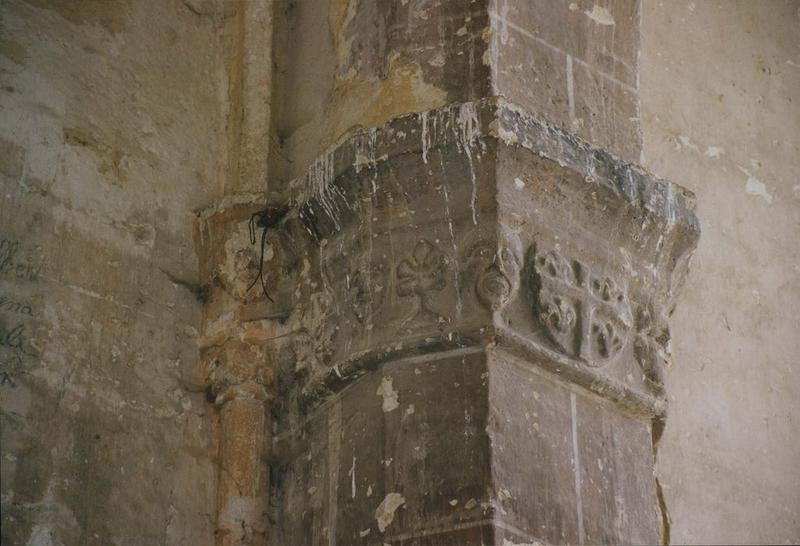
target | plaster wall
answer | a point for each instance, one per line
(720, 100)
(112, 120)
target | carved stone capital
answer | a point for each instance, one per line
(478, 224)
(461, 271)
(234, 348)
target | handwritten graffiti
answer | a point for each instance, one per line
(17, 346)
(12, 266)
(16, 343)
(9, 369)
(14, 306)
(16, 339)
(8, 251)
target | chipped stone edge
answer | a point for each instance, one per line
(464, 124)
(567, 369)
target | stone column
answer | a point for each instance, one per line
(235, 346)
(243, 487)
(479, 303)
(236, 358)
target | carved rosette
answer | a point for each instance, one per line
(585, 314)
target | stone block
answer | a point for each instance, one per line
(533, 74)
(604, 35)
(572, 65)
(618, 492)
(383, 462)
(533, 473)
(567, 467)
(606, 112)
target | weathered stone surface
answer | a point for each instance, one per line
(483, 180)
(110, 136)
(235, 357)
(243, 483)
(534, 463)
(477, 228)
(574, 65)
(567, 468)
(473, 447)
(373, 60)
(346, 460)
(604, 36)
(618, 492)
(121, 119)
(473, 226)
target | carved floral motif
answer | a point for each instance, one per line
(651, 346)
(314, 333)
(422, 273)
(586, 315)
(368, 288)
(558, 315)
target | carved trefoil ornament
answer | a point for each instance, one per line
(419, 276)
(587, 315)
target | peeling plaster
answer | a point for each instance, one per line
(384, 514)
(390, 401)
(600, 15)
(685, 141)
(756, 187)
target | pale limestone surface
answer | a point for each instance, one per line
(720, 90)
(111, 126)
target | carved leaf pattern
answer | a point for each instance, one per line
(651, 346)
(423, 271)
(607, 341)
(368, 288)
(559, 315)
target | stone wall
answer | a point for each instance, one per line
(720, 88)
(112, 120)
